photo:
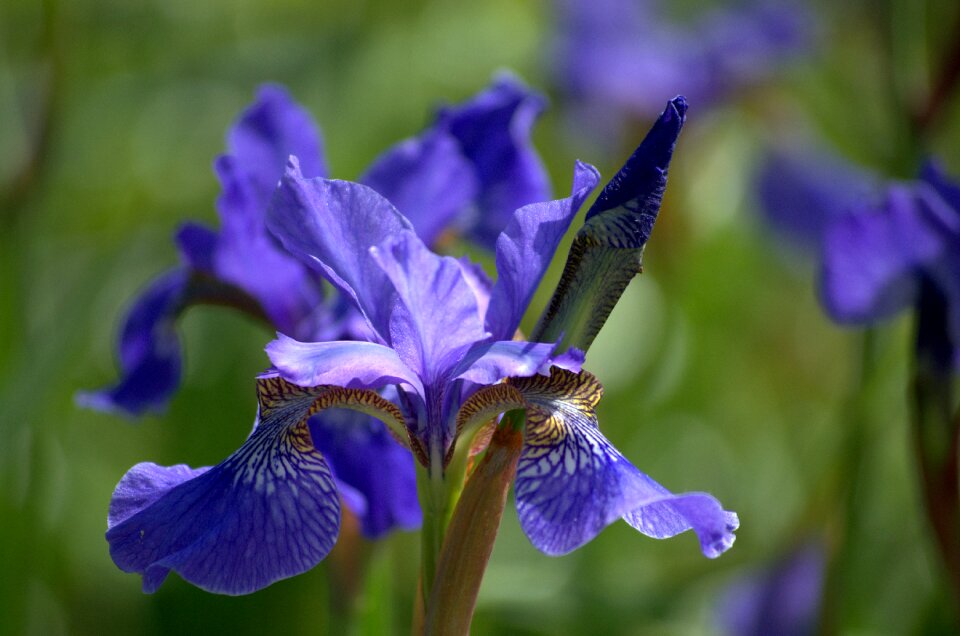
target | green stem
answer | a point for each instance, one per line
(472, 533)
(435, 501)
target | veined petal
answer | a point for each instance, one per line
(493, 130)
(150, 353)
(343, 363)
(661, 514)
(487, 403)
(332, 225)
(437, 318)
(364, 456)
(144, 484)
(490, 362)
(525, 249)
(427, 178)
(571, 482)
(269, 511)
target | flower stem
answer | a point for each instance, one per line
(473, 531)
(435, 501)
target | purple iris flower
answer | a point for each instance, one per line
(630, 55)
(783, 599)
(472, 167)
(440, 341)
(883, 248)
(881, 259)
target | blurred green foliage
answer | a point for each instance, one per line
(722, 372)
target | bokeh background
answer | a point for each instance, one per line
(722, 372)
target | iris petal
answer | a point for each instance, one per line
(490, 362)
(493, 130)
(571, 482)
(661, 514)
(437, 318)
(870, 256)
(150, 351)
(343, 363)
(801, 193)
(197, 244)
(270, 130)
(269, 511)
(365, 457)
(427, 178)
(332, 225)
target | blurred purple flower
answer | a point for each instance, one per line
(441, 336)
(630, 56)
(881, 259)
(783, 599)
(883, 249)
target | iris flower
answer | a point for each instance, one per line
(879, 260)
(884, 248)
(441, 342)
(471, 168)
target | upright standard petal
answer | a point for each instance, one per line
(428, 179)
(571, 482)
(150, 351)
(525, 248)
(493, 130)
(332, 225)
(269, 511)
(437, 319)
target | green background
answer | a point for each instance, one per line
(722, 373)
